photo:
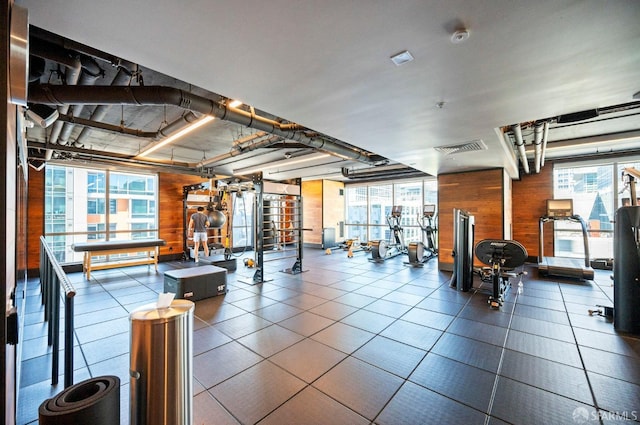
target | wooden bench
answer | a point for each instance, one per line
(93, 249)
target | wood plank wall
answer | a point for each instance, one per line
(481, 194)
(35, 224)
(170, 216)
(333, 211)
(530, 195)
(312, 206)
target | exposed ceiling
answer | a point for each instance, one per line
(326, 66)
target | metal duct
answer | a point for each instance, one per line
(537, 146)
(545, 137)
(517, 132)
(392, 171)
(126, 70)
(159, 95)
(239, 149)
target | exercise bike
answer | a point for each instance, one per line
(502, 257)
(421, 252)
(382, 250)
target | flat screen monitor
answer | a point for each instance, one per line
(559, 207)
(428, 210)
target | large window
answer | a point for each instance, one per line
(368, 206)
(595, 188)
(82, 204)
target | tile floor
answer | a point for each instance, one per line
(354, 342)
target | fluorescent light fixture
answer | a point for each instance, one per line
(175, 136)
(234, 103)
(276, 164)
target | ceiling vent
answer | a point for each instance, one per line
(474, 145)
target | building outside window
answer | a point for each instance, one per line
(76, 201)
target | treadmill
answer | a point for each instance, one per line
(562, 209)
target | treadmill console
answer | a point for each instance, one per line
(396, 211)
(559, 208)
(428, 210)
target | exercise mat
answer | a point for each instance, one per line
(95, 401)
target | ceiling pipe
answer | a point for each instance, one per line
(116, 129)
(91, 71)
(537, 146)
(545, 137)
(397, 170)
(159, 95)
(241, 149)
(126, 71)
(517, 132)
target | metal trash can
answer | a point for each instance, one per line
(161, 364)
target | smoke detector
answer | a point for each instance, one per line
(460, 36)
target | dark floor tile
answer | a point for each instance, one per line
(254, 393)
(368, 321)
(550, 304)
(333, 310)
(359, 386)
(610, 364)
(452, 379)
(485, 314)
(305, 301)
(542, 328)
(388, 308)
(214, 310)
(207, 411)
(223, 362)
(277, 312)
(429, 318)
(469, 351)
(39, 369)
(119, 366)
(544, 314)
(547, 375)
(484, 332)
(619, 344)
(306, 323)
(90, 333)
(106, 348)
(441, 306)
(253, 303)
(355, 300)
(270, 340)
(594, 323)
(310, 406)
(616, 396)
(307, 359)
(547, 348)
(240, 326)
(418, 336)
(392, 356)
(207, 338)
(416, 405)
(343, 337)
(518, 403)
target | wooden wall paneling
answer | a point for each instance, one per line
(333, 211)
(530, 195)
(312, 207)
(170, 214)
(480, 193)
(35, 223)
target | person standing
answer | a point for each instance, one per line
(198, 223)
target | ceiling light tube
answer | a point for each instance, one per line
(517, 132)
(175, 136)
(287, 162)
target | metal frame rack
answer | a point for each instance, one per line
(278, 221)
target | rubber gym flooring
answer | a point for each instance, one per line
(354, 342)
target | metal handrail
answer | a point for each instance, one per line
(52, 280)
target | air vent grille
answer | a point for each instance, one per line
(475, 145)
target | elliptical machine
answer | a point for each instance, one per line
(421, 252)
(381, 249)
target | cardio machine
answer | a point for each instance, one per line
(421, 252)
(502, 257)
(562, 210)
(381, 249)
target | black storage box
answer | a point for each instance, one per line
(196, 283)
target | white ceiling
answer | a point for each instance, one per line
(326, 65)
